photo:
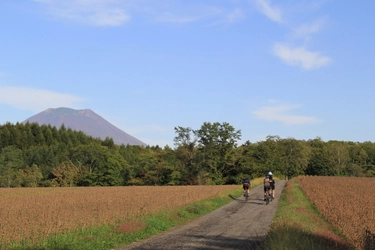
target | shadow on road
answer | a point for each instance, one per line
(257, 201)
(199, 242)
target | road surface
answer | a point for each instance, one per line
(237, 225)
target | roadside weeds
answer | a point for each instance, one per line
(298, 224)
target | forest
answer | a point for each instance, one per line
(33, 155)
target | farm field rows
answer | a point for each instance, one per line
(346, 202)
(29, 213)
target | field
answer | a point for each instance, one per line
(32, 213)
(347, 203)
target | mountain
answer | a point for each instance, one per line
(84, 120)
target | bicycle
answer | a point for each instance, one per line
(246, 194)
(268, 197)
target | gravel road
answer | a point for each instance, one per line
(237, 225)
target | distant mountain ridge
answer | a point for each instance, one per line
(84, 120)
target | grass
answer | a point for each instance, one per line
(124, 232)
(298, 225)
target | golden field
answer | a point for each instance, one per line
(29, 213)
(346, 202)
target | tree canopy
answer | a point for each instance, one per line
(33, 156)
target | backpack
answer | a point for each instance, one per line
(267, 183)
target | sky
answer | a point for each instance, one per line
(294, 68)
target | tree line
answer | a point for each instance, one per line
(33, 155)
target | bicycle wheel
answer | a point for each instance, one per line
(267, 198)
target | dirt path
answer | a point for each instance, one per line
(237, 225)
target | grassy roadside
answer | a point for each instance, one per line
(298, 225)
(124, 232)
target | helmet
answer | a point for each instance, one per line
(269, 173)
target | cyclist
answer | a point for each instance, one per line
(246, 186)
(272, 183)
(266, 185)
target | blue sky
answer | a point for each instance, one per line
(293, 68)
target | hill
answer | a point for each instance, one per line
(84, 120)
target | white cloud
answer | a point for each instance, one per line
(35, 100)
(91, 12)
(279, 112)
(229, 17)
(172, 18)
(117, 12)
(300, 57)
(272, 12)
(305, 30)
(188, 13)
(235, 16)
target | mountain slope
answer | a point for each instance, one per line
(84, 120)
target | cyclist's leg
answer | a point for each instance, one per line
(265, 193)
(246, 189)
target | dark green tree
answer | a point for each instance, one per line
(217, 142)
(294, 158)
(185, 142)
(319, 163)
(338, 156)
(10, 162)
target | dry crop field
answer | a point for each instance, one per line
(28, 213)
(347, 202)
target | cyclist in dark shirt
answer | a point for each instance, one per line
(272, 184)
(269, 184)
(246, 186)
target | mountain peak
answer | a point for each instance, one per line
(84, 120)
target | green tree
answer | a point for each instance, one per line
(64, 175)
(29, 137)
(216, 147)
(338, 156)
(295, 157)
(64, 136)
(269, 154)
(10, 162)
(185, 142)
(110, 171)
(5, 137)
(319, 163)
(37, 134)
(31, 176)
(108, 142)
(47, 134)
(250, 161)
(86, 158)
